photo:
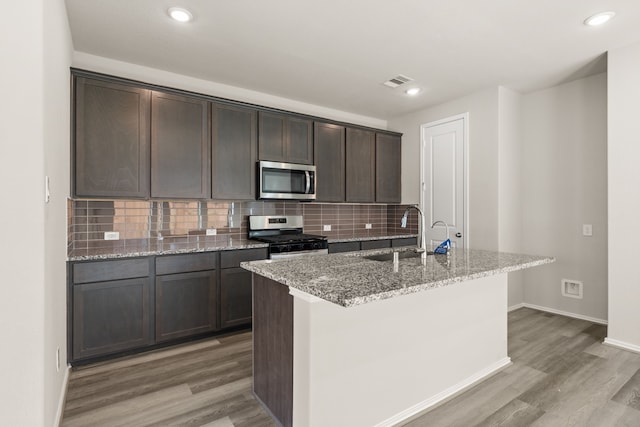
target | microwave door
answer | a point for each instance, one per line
(283, 181)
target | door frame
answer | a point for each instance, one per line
(465, 160)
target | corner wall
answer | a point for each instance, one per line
(564, 185)
(624, 196)
(483, 160)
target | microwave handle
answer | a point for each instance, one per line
(306, 174)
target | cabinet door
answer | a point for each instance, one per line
(387, 168)
(111, 140)
(185, 304)
(329, 153)
(234, 153)
(111, 316)
(335, 248)
(375, 244)
(360, 165)
(299, 141)
(180, 165)
(235, 297)
(271, 137)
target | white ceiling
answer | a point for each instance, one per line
(336, 53)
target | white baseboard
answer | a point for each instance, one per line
(621, 344)
(560, 312)
(515, 307)
(446, 394)
(63, 397)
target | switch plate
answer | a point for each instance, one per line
(111, 235)
(212, 231)
(367, 226)
(326, 227)
(587, 230)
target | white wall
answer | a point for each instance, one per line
(624, 196)
(510, 184)
(483, 160)
(164, 78)
(58, 51)
(34, 131)
(22, 297)
(564, 186)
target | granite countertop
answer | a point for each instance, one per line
(221, 243)
(124, 249)
(350, 279)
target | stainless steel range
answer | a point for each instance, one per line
(285, 237)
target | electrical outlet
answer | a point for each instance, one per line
(212, 231)
(367, 226)
(111, 235)
(326, 227)
(571, 288)
(587, 230)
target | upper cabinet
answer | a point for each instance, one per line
(283, 138)
(111, 140)
(388, 153)
(234, 152)
(329, 155)
(180, 166)
(360, 165)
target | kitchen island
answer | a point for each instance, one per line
(349, 340)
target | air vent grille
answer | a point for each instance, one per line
(397, 81)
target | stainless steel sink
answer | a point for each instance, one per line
(401, 255)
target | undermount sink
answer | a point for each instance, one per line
(389, 256)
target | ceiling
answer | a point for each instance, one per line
(337, 53)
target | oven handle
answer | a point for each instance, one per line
(299, 253)
(306, 174)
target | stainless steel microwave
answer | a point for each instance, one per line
(287, 181)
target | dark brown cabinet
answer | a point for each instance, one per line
(329, 155)
(388, 151)
(111, 308)
(186, 304)
(234, 152)
(180, 165)
(186, 295)
(360, 165)
(111, 140)
(235, 286)
(283, 138)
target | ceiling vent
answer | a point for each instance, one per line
(398, 80)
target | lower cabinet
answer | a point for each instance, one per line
(186, 304)
(235, 297)
(338, 247)
(111, 316)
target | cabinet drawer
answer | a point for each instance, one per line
(101, 271)
(406, 241)
(375, 244)
(170, 264)
(335, 248)
(230, 259)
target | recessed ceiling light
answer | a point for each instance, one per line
(413, 91)
(180, 14)
(599, 18)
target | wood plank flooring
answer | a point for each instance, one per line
(561, 376)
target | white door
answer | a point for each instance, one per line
(444, 175)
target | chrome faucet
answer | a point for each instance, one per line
(423, 231)
(443, 223)
(448, 241)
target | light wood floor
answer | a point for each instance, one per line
(561, 376)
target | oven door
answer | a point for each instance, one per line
(286, 181)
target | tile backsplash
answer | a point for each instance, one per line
(143, 223)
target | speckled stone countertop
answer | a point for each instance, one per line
(351, 279)
(202, 244)
(222, 243)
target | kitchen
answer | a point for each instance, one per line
(39, 76)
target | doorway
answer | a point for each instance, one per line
(444, 176)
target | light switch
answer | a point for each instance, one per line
(587, 230)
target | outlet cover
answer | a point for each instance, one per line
(212, 231)
(112, 235)
(326, 227)
(587, 230)
(367, 226)
(571, 288)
